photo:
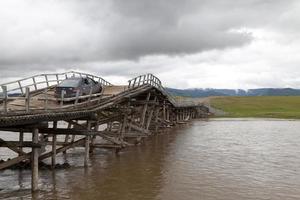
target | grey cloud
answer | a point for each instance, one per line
(45, 36)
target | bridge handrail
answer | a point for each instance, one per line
(152, 80)
(42, 81)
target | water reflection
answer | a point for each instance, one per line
(216, 159)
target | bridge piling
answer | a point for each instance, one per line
(35, 161)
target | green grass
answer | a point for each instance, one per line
(286, 107)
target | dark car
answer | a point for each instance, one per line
(70, 87)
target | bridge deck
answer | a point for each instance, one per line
(37, 100)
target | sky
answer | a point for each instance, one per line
(186, 43)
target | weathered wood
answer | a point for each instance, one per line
(14, 161)
(54, 137)
(124, 109)
(34, 83)
(137, 128)
(87, 145)
(143, 115)
(164, 110)
(20, 87)
(61, 149)
(35, 162)
(46, 99)
(13, 148)
(67, 135)
(16, 145)
(4, 91)
(27, 100)
(149, 118)
(156, 118)
(46, 79)
(109, 146)
(21, 139)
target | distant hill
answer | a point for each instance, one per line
(229, 92)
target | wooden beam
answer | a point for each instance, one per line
(61, 149)
(137, 128)
(15, 149)
(149, 118)
(14, 161)
(143, 115)
(16, 144)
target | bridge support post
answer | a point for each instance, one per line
(35, 161)
(164, 110)
(87, 144)
(156, 119)
(53, 158)
(145, 110)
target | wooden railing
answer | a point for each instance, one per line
(23, 89)
(42, 81)
(150, 79)
(41, 84)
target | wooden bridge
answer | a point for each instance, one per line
(119, 116)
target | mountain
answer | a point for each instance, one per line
(198, 92)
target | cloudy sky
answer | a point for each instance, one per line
(186, 43)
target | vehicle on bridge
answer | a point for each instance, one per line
(83, 86)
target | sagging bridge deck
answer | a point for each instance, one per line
(120, 115)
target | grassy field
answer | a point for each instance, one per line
(286, 107)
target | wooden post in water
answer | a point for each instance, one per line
(87, 144)
(35, 161)
(53, 158)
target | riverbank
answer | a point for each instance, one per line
(284, 107)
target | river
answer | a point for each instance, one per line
(226, 159)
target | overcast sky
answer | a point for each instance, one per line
(186, 43)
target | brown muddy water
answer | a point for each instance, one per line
(204, 160)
